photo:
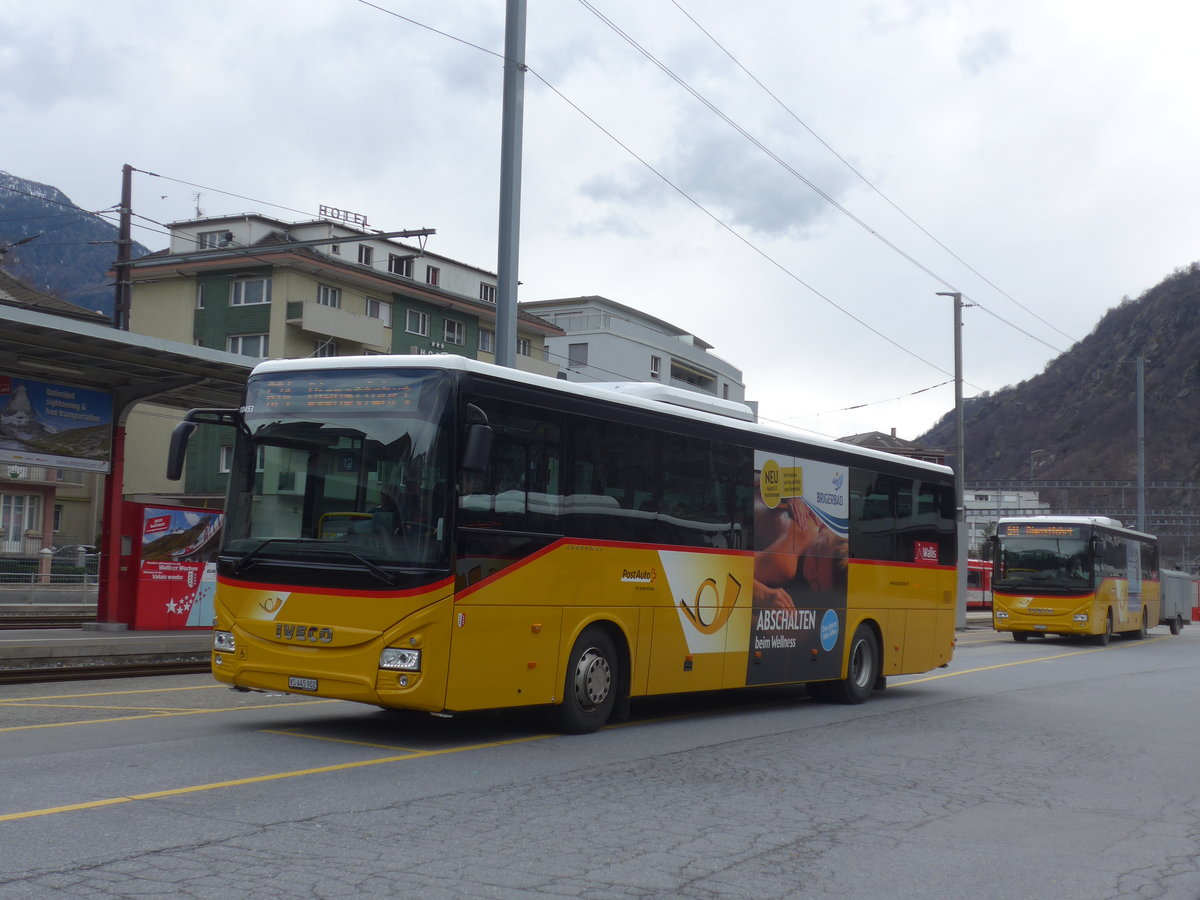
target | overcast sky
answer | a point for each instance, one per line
(792, 181)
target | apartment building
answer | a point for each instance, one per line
(603, 340)
(261, 287)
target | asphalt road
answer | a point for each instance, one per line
(1048, 769)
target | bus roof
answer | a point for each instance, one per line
(730, 415)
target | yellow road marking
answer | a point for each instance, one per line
(262, 779)
(163, 715)
(198, 687)
(317, 737)
(1017, 662)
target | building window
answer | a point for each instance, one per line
(524, 347)
(577, 355)
(381, 310)
(248, 345)
(249, 291)
(226, 462)
(329, 296)
(58, 517)
(487, 292)
(210, 240)
(199, 295)
(655, 366)
(335, 248)
(400, 265)
(455, 332)
(327, 347)
(487, 341)
(416, 322)
(432, 275)
(365, 254)
(19, 513)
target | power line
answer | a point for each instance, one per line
(794, 172)
(864, 178)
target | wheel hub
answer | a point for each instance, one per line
(593, 679)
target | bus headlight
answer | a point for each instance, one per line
(1001, 614)
(1081, 618)
(400, 659)
(223, 641)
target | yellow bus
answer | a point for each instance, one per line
(435, 533)
(1074, 576)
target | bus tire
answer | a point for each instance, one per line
(864, 669)
(1104, 637)
(1140, 633)
(1177, 624)
(1020, 636)
(593, 677)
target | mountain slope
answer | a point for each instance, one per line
(73, 250)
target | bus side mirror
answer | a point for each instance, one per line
(183, 432)
(477, 451)
(175, 456)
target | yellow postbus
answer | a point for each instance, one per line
(439, 534)
(1073, 576)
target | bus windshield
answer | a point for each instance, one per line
(342, 467)
(1038, 563)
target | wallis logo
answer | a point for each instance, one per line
(710, 610)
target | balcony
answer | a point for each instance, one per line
(40, 475)
(336, 323)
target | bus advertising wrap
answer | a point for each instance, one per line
(800, 561)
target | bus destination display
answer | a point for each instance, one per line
(358, 394)
(1053, 531)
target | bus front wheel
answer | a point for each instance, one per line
(864, 667)
(1103, 638)
(1020, 636)
(590, 692)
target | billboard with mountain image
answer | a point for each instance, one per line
(54, 425)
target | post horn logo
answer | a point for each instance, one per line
(712, 618)
(271, 604)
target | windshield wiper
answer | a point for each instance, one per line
(250, 558)
(378, 571)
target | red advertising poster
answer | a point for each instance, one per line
(177, 571)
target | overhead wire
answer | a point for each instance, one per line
(824, 195)
(870, 184)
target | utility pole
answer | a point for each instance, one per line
(124, 251)
(1141, 443)
(510, 184)
(959, 462)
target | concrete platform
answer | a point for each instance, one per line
(34, 648)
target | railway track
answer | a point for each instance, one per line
(36, 675)
(65, 620)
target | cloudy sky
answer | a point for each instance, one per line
(793, 181)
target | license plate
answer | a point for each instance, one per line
(302, 684)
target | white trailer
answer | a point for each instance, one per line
(1179, 598)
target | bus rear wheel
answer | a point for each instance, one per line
(1141, 632)
(590, 691)
(864, 667)
(1177, 624)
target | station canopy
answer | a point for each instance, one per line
(132, 367)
